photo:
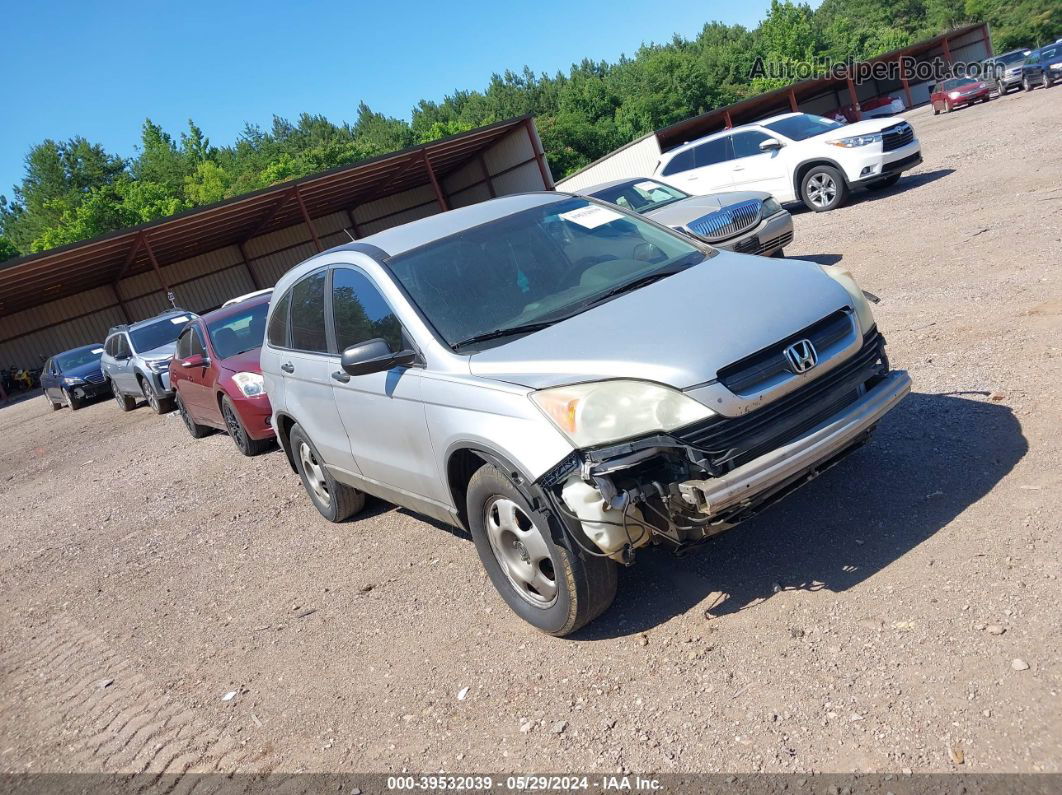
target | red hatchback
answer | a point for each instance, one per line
(217, 378)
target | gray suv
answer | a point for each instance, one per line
(568, 381)
(136, 360)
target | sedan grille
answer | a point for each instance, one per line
(95, 378)
(728, 442)
(896, 137)
(728, 221)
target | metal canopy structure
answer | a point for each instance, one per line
(786, 99)
(33, 280)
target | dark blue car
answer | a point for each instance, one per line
(1042, 67)
(74, 377)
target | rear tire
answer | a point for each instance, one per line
(125, 403)
(555, 588)
(823, 188)
(195, 429)
(238, 431)
(335, 501)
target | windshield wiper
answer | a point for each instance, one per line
(498, 333)
(642, 281)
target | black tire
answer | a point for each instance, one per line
(125, 403)
(1026, 84)
(1001, 88)
(936, 111)
(158, 404)
(238, 431)
(195, 429)
(888, 182)
(1045, 79)
(55, 406)
(72, 401)
(821, 176)
(585, 585)
(342, 501)
(780, 253)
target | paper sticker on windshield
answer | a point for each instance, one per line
(179, 320)
(646, 186)
(97, 350)
(591, 217)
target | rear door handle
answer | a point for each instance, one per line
(288, 367)
(341, 377)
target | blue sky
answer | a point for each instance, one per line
(98, 69)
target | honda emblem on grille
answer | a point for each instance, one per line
(801, 356)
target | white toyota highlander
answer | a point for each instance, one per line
(796, 157)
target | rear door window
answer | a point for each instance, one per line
(683, 161)
(308, 314)
(712, 152)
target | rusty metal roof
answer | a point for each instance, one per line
(35, 279)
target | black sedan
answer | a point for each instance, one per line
(74, 377)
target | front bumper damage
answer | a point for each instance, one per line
(682, 488)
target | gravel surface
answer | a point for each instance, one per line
(170, 605)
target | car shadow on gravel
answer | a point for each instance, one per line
(907, 182)
(934, 456)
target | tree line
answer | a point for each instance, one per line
(74, 189)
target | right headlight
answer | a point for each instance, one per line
(600, 412)
(860, 304)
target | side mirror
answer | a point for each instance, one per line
(195, 360)
(770, 145)
(374, 356)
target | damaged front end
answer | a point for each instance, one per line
(683, 487)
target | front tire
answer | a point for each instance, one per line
(1026, 84)
(555, 588)
(335, 501)
(159, 405)
(55, 406)
(823, 188)
(125, 403)
(72, 401)
(238, 431)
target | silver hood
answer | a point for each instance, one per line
(677, 331)
(682, 212)
(161, 352)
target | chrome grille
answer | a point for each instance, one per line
(728, 221)
(896, 137)
(95, 378)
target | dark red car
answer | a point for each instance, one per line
(217, 377)
(955, 91)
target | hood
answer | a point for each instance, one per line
(677, 331)
(681, 212)
(161, 352)
(862, 127)
(246, 362)
(84, 371)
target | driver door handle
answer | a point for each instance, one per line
(341, 377)
(288, 367)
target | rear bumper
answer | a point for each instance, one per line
(770, 235)
(789, 462)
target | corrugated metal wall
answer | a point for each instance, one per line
(205, 282)
(635, 160)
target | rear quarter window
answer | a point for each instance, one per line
(277, 333)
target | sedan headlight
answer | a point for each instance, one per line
(73, 381)
(860, 304)
(954, 94)
(251, 384)
(770, 207)
(607, 411)
(857, 140)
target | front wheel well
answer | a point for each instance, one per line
(804, 168)
(460, 468)
(283, 431)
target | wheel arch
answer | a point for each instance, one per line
(463, 459)
(285, 422)
(802, 169)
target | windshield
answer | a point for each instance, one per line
(79, 357)
(147, 338)
(641, 195)
(965, 81)
(536, 266)
(803, 126)
(240, 332)
(1009, 58)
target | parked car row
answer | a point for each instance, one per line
(565, 377)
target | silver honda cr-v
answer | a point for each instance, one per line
(569, 382)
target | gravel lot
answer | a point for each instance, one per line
(876, 620)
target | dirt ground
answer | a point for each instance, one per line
(899, 613)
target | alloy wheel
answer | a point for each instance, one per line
(315, 476)
(821, 190)
(522, 552)
(117, 395)
(235, 427)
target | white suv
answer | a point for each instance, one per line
(796, 157)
